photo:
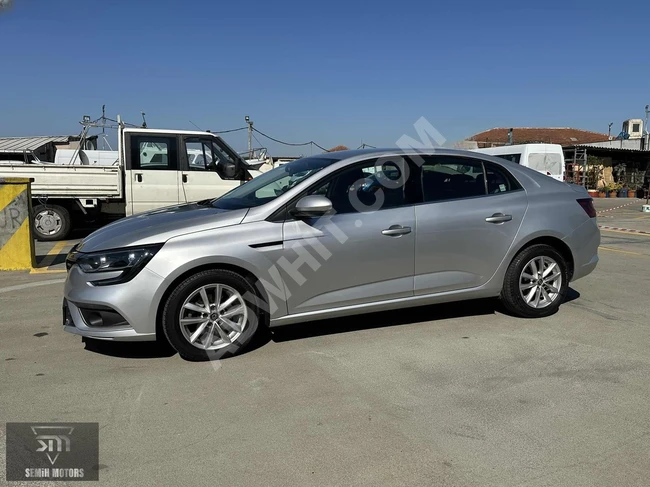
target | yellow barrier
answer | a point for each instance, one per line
(16, 242)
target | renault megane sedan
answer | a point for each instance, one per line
(333, 235)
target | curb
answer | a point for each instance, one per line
(618, 229)
(636, 200)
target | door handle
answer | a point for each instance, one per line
(184, 178)
(138, 178)
(498, 218)
(396, 231)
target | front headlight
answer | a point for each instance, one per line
(128, 261)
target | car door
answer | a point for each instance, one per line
(151, 171)
(363, 252)
(470, 215)
(208, 171)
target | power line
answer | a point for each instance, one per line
(293, 144)
(228, 131)
(125, 123)
(257, 140)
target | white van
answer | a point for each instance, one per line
(86, 157)
(545, 158)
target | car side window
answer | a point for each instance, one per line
(374, 185)
(450, 177)
(499, 180)
(154, 153)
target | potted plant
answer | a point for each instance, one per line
(622, 192)
(594, 193)
(611, 190)
(631, 193)
(601, 192)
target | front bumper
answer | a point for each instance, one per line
(134, 302)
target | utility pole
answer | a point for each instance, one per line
(609, 132)
(645, 128)
(103, 126)
(250, 136)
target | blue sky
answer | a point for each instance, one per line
(337, 72)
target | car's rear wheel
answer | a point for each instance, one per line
(211, 315)
(536, 283)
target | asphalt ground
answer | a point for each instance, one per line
(449, 395)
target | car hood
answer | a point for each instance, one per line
(160, 225)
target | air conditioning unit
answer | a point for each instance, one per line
(633, 127)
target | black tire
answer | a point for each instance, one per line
(171, 320)
(511, 296)
(57, 212)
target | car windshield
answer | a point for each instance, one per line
(272, 184)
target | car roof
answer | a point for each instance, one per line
(347, 154)
(392, 151)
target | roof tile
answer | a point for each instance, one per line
(529, 135)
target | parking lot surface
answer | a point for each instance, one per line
(450, 395)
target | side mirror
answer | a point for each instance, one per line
(312, 206)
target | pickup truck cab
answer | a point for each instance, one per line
(167, 167)
(153, 168)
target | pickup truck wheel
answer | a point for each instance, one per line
(211, 315)
(51, 222)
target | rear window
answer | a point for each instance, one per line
(516, 158)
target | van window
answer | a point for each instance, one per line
(154, 153)
(550, 162)
(516, 158)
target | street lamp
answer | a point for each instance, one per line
(250, 136)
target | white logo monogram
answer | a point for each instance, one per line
(53, 440)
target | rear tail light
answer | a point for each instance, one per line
(588, 205)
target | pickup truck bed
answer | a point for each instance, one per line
(61, 181)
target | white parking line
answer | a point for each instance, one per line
(30, 284)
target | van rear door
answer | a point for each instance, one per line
(549, 162)
(152, 166)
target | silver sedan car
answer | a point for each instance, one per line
(333, 235)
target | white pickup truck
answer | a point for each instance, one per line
(154, 168)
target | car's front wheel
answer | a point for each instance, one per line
(211, 315)
(536, 283)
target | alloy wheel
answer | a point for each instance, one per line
(540, 282)
(213, 316)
